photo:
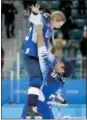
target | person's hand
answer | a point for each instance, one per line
(35, 8)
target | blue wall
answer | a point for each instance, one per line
(74, 91)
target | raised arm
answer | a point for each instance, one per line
(40, 39)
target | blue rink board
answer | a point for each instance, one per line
(14, 111)
(74, 91)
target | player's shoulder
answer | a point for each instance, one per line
(45, 20)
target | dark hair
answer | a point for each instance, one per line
(68, 67)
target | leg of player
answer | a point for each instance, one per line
(43, 53)
(44, 59)
(33, 93)
(35, 81)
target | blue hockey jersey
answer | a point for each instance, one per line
(30, 41)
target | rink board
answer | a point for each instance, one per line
(74, 91)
